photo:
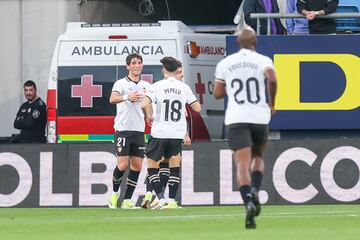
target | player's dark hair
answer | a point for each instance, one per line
(131, 56)
(170, 64)
(179, 64)
(30, 83)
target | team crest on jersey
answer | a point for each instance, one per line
(29, 110)
(119, 149)
(36, 114)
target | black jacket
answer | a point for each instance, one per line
(257, 6)
(318, 25)
(31, 120)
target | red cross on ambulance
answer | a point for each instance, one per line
(86, 91)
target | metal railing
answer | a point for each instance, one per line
(269, 16)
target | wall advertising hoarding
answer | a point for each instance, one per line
(72, 175)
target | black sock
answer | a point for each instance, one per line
(245, 193)
(117, 178)
(256, 179)
(174, 181)
(149, 188)
(155, 181)
(131, 183)
(164, 173)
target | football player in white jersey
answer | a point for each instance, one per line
(168, 127)
(164, 170)
(127, 93)
(247, 78)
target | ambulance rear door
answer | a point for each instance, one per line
(201, 53)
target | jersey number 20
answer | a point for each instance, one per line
(251, 88)
(172, 110)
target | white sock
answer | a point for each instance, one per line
(171, 200)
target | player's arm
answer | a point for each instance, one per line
(271, 77)
(146, 107)
(219, 89)
(187, 139)
(196, 106)
(115, 97)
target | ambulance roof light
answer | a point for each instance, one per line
(118, 37)
(89, 25)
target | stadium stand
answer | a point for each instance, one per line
(348, 25)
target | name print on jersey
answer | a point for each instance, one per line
(172, 90)
(236, 66)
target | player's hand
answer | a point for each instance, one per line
(187, 140)
(136, 96)
(149, 120)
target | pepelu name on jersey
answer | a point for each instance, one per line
(236, 66)
(172, 90)
(115, 50)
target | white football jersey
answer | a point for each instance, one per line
(129, 116)
(246, 88)
(170, 97)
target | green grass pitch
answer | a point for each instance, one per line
(328, 222)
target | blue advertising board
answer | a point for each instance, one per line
(318, 80)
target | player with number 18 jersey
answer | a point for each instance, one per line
(170, 96)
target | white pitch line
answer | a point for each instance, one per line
(240, 215)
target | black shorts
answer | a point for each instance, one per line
(129, 143)
(163, 147)
(242, 135)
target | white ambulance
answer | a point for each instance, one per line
(89, 58)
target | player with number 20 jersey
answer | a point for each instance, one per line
(243, 74)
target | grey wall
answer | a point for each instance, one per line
(29, 29)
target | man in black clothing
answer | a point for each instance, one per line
(31, 117)
(263, 6)
(314, 8)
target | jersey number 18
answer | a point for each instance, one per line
(172, 110)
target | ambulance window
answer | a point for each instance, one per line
(85, 90)
(150, 73)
